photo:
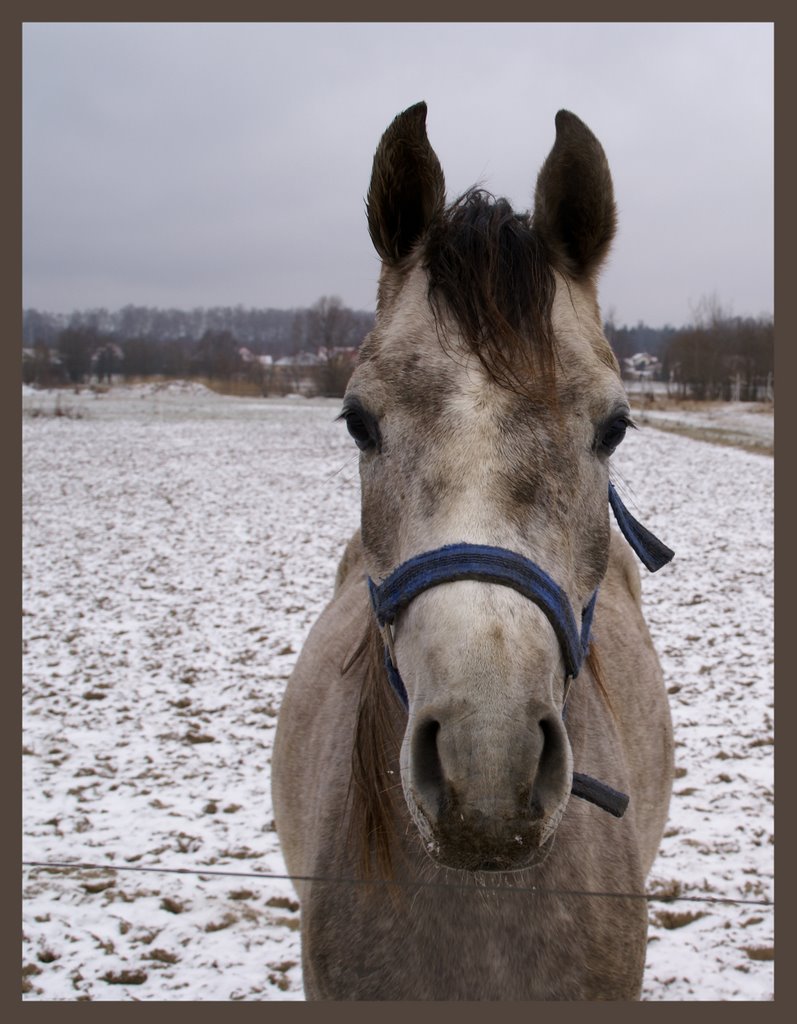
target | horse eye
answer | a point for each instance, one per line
(362, 427)
(614, 434)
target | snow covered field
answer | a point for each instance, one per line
(177, 547)
(739, 424)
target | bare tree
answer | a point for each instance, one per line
(76, 346)
(723, 357)
(329, 323)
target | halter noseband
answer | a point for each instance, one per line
(487, 564)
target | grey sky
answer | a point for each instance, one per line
(215, 164)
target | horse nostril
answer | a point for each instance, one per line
(428, 774)
(552, 767)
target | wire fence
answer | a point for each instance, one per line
(420, 884)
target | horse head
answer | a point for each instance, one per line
(486, 405)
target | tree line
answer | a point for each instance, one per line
(723, 357)
(274, 350)
(719, 356)
(313, 349)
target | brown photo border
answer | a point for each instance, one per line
(14, 14)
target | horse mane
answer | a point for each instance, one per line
(492, 272)
(375, 749)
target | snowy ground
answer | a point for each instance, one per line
(738, 424)
(177, 548)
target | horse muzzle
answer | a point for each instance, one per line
(464, 561)
(485, 797)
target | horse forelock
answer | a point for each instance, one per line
(492, 289)
(489, 271)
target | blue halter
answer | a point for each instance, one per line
(488, 564)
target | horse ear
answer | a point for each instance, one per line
(407, 186)
(574, 209)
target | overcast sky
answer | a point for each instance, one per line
(183, 165)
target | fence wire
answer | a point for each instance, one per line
(339, 880)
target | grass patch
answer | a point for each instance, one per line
(225, 922)
(676, 918)
(292, 923)
(714, 435)
(236, 388)
(283, 903)
(58, 411)
(242, 894)
(172, 906)
(92, 888)
(162, 955)
(760, 952)
(198, 737)
(668, 890)
(125, 977)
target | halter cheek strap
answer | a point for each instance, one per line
(488, 564)
(652, 552)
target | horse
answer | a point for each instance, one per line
(473, 758)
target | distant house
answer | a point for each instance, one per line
(248, 356)
(42, 366)
(641, 366)
(30, 355)
(299, 359)
(346, 353)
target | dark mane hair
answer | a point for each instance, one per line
(492, 271)
(371, 787)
